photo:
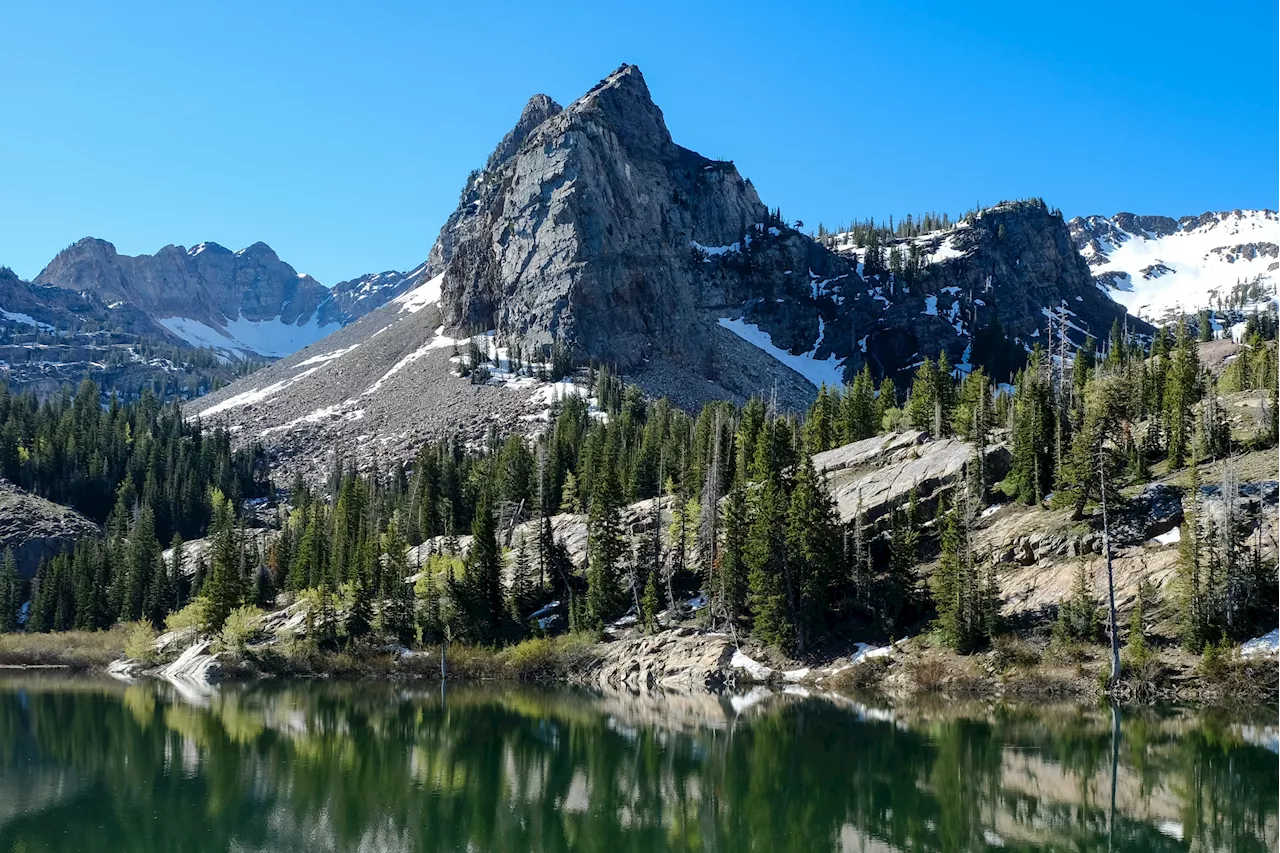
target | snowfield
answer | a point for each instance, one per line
(1190, 267)
(271, 338)
(828, 371)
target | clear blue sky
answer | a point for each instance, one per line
(341, 134)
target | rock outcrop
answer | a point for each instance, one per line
(872, 476)
(588, 228)
(37, 529)
(681, 659)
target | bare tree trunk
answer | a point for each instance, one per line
(1111, 580)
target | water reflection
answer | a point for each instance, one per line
(89, 766)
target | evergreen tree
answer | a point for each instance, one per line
(904, 556)
(729, 590)
(225, 585)
(813, 548)
(522, 593)
(1180, 394)
(766, 558)
(399, 618)
(605, 550)
(484, 573)
(9, 592)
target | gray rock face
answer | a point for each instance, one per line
(208, 282)
(589, 228)
(580, 230)
(681, 659)
(353, 299)
(871, 476)
(984, 300)
(38, 529)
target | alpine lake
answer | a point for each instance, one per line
(98, 765)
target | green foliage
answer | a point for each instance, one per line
(1078, 617)
(964, 595)
(605, 550)
(239, 628)
(140, 643)
(9, 592)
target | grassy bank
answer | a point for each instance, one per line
(78, 650)
(538, 659)
(1018, 667)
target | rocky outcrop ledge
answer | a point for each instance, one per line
(681, 659)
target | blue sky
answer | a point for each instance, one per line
(341, 134)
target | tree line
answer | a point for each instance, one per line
(736, 510)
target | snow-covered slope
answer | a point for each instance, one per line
(1154, 264)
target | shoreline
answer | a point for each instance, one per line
(684, 660)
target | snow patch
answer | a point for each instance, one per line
(828, 371)
(427, 293)
(1267, 644)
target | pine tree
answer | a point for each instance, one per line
(1180, 394)
(1194, 624)
(522, 592)
(1078, 618)
(605, 550)
(359, 621)
(766, 558)
(650, 603)
(398, 616)
(484, 572)
(729, 590)
(965, 599)
(813, 549)
(904, 556)
(142, 553)
(1032, 470)
(225, 585)
(8, 592)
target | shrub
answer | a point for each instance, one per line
(1010, 651)
(140, 643)
(189, 618)
(240, 627)
(862, 676)
(1218, 660)
(532, 660)
(929, 674)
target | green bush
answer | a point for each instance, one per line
(140, 643)
(240, 627)
(189, 618)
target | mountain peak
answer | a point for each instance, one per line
(538, 109)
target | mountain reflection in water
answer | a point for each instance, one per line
(99, 766)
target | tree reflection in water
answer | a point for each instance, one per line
(90, 766)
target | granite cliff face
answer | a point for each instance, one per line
(581, 230)
(987, 290)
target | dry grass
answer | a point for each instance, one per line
(862, 677)
(73, 649)
(539, 659)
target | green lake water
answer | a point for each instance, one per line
(102, 766)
